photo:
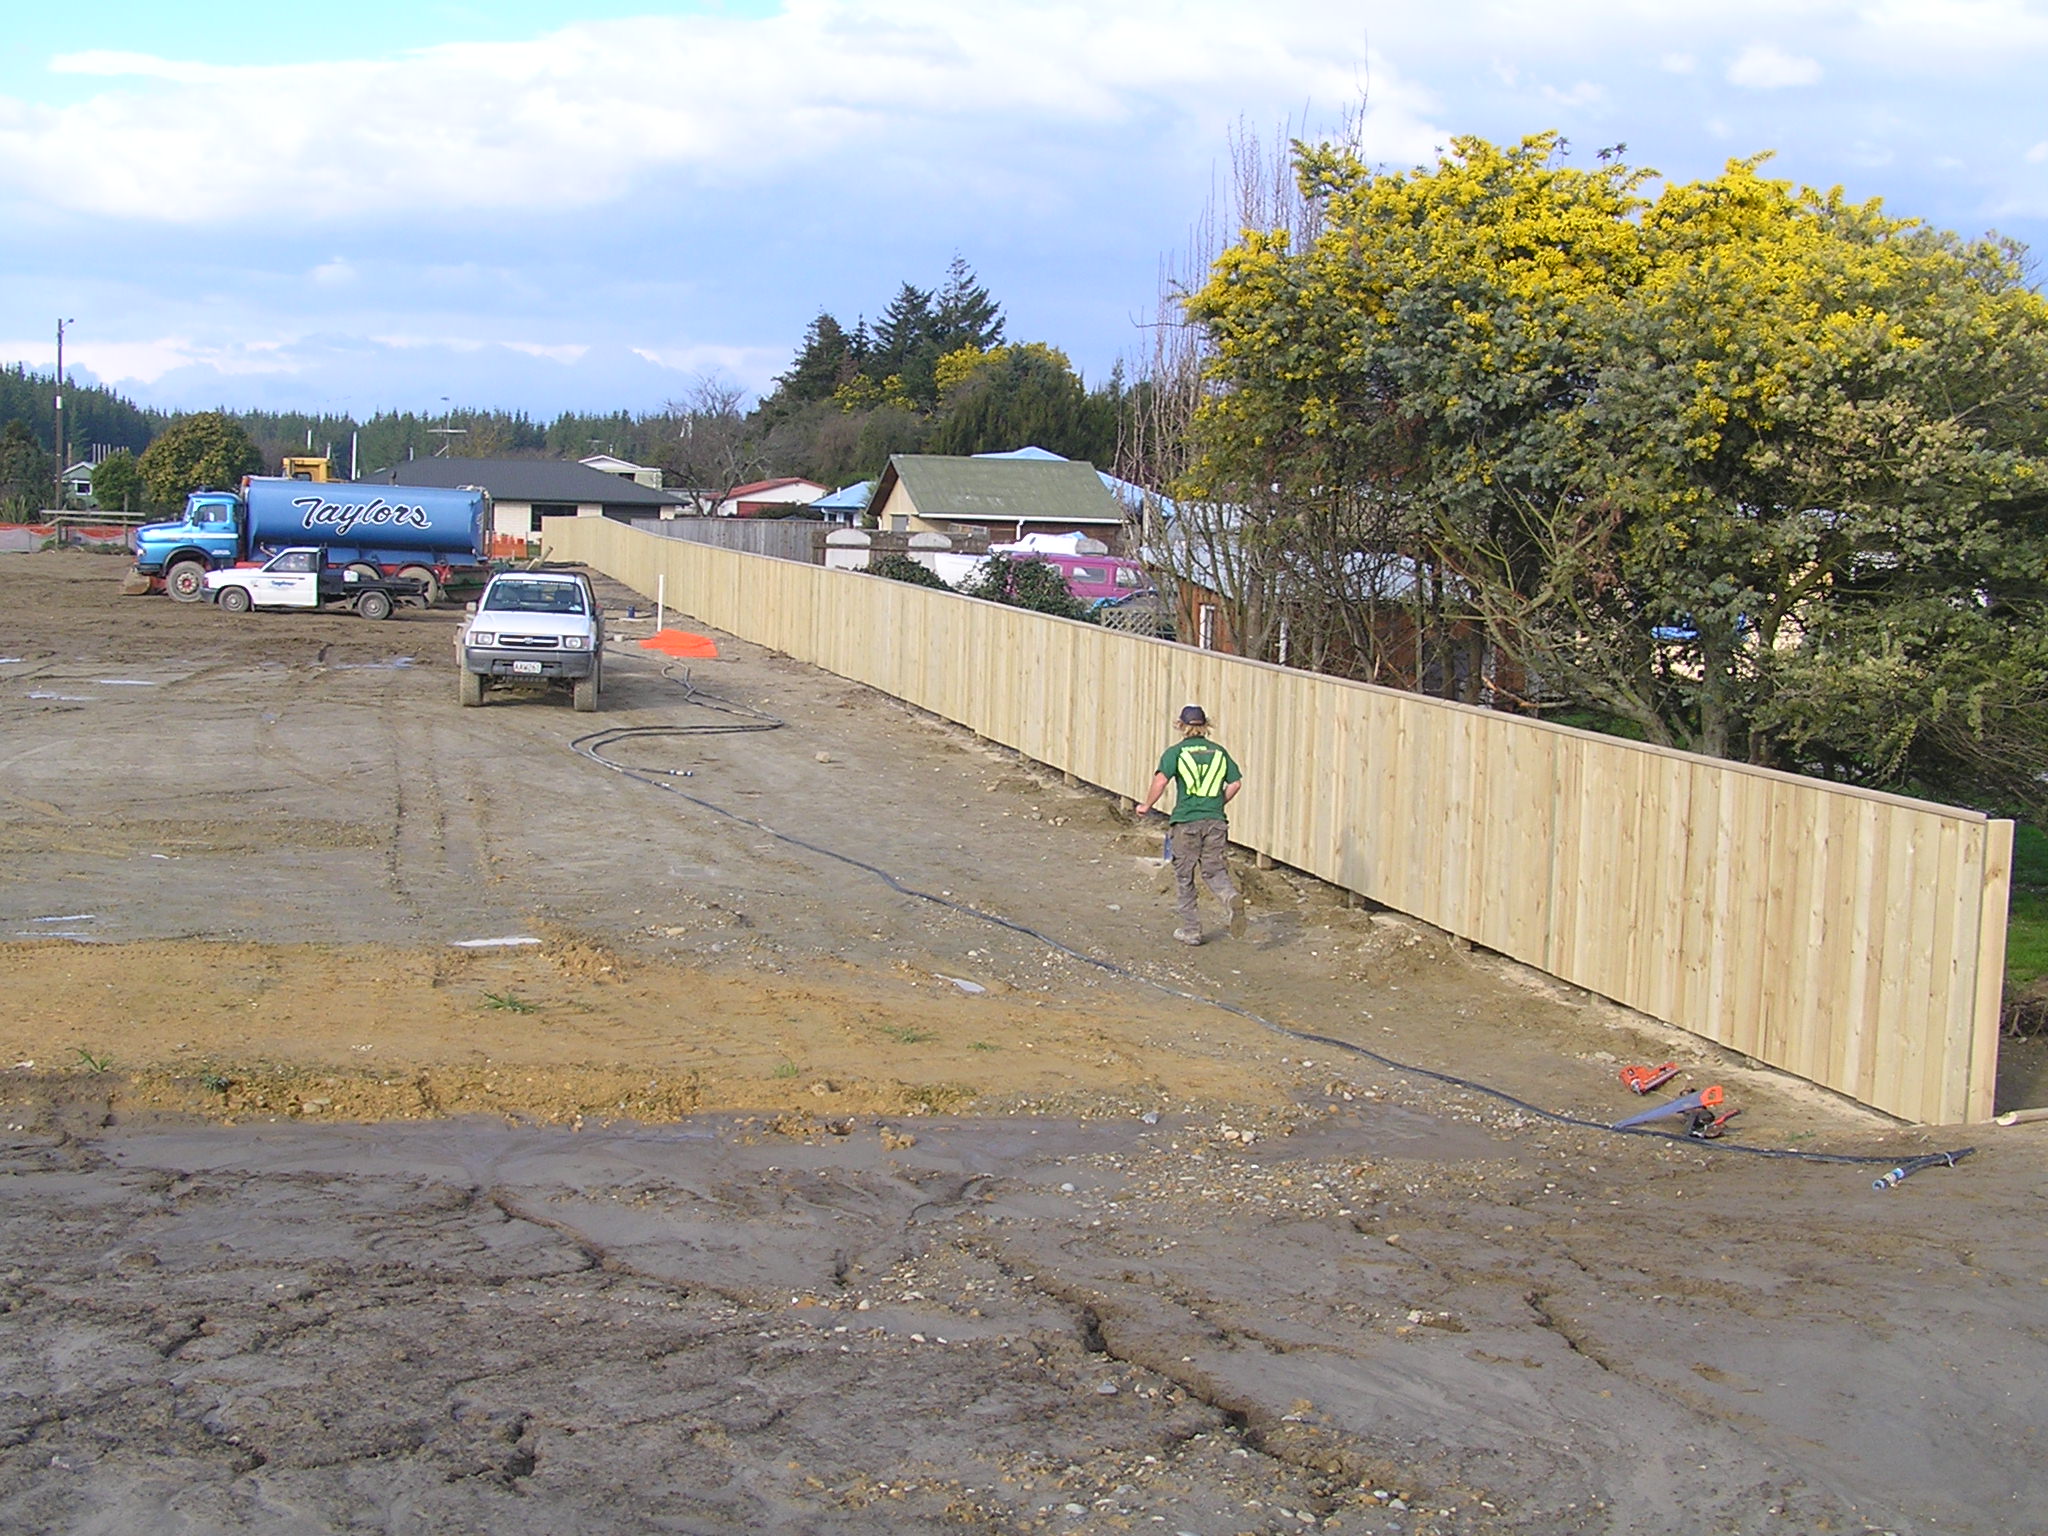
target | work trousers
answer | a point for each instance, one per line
(1199, 846)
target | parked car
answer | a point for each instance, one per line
(303, 578)
(534, 628)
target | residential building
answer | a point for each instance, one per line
(845, 506)
(611, 464)
(78, 485)
(772, 498)
(1005, 498)
(523, 491)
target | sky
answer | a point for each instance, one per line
(544, 206)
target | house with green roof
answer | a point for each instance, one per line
(1006, 498)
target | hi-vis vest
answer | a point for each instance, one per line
(1201, 769)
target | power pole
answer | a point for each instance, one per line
(58, 412)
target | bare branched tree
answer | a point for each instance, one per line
(1313, 561)
(709, 449)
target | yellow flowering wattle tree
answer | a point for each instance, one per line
(1733, 465)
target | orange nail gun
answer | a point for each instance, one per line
(1643, 1079)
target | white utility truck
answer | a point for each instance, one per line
(534, 628)
(302, 578)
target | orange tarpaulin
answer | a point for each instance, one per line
(680, 642)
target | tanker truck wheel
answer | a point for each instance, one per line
(472, 692)
(430, 589)
(186, 581)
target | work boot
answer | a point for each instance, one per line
(1188, 935)
(1233, 910)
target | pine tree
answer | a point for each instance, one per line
(903, 332)
(822, 364)
(965, 315)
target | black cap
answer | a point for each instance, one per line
(1193, 715)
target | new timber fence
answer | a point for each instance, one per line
(1856, 939)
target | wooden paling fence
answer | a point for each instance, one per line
(1856, 939)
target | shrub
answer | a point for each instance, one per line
(903, 568)
(1027, 583)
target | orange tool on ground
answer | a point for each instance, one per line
(1707, 1100)
(1643, 1079)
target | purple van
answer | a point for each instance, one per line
(1096, 579)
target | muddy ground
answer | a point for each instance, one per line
(762, 1193)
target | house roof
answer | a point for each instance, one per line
(852, 498)
(981, 490)
(1132, 496)
(557, 480)
(740, 492)
(611, 464)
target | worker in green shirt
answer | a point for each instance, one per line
(1204, 780)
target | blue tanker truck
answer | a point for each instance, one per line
(427, 534)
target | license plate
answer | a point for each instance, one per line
(532, 667)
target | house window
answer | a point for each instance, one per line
(899, 522)
(543, 509)
(1205, 625)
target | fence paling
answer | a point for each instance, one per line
(1854, 938)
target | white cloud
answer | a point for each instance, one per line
(1763, 67)
(145, 361)
(111, 62)
(1678, 63)
(2038, 153)
(567, 352)
(1995, 31)
(585, 114)
(335, 273)
(1583, 94)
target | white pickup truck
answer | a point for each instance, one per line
(302, 578)
(534, 627)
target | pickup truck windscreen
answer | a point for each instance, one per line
(534, 597)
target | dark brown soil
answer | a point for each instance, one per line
(724, 1205)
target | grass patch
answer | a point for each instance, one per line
(784, 1068)
(2026, 931)
(94, 1063)
(2026, 935)
(2026, 940)
(981, 1045)
(904, 1034)
(506, 1002)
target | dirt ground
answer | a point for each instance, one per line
(412, 1125)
